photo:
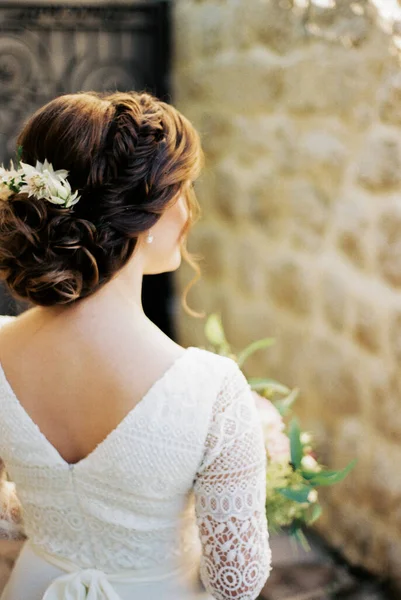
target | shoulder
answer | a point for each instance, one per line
(213, 362)
(222, 370)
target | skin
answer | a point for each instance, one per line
(78, 370)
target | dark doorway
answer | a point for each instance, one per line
(48, 50)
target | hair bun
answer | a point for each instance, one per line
(45, 253)
(127, 156)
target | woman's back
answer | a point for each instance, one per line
(182, 474)
(78, 376)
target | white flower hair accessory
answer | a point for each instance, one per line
(9, 182)
(41, 181)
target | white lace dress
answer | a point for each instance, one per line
(170, 506)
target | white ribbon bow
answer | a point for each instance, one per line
(87, 584)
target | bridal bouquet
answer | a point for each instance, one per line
(10, 513)
(294, 472)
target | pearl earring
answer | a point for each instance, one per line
(149, 238)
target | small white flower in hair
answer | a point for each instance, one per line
(42, 181)
(9, 182)
(5, 192)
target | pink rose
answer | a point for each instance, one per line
(277, 442)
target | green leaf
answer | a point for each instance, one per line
(284, 406)
(296, 444)
(259, 384)
(308, 475)
(249, 350)
(13, 187)
(297, 533)
(214, 330)
(316, 511)
(299, 494)
(329, 477)
(19, 155)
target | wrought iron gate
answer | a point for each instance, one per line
(48, 50)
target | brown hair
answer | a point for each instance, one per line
(129, 155)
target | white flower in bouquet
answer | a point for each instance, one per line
(313, 496)
(11, 526)
(306, 438)
(310, 464)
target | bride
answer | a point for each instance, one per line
(139, 464)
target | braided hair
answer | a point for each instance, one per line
(129, 155)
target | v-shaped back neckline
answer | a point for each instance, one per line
(62, 461)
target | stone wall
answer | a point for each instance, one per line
(300, 115)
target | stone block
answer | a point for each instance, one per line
(352, 216)
(230, 190)
(385, 480)
(341, 26)
(319, 148)
(334, 298)
(213, 245)
(333, 377)
(389, 97)
(247, 321)
(395, 334)
(270, 24)
(380, 161)
(218, 134)
(189, 87)
(289, 342)
(271, 138)
(267, 204)
(309, 211)
(367, 327)
(250, 268)
(349, 443)
(247, 83)
(385, 385)
(214, 22)
(187, 34)
(204, 190)
(289, 284)
(327, 80)
(389, 244)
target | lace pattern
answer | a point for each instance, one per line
(183, 474)
(230, 491)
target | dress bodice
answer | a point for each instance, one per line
(183, 473)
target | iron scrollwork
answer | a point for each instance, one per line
(47, 50)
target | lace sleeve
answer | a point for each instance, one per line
(230, 496)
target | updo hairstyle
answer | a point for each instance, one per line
(129, 155)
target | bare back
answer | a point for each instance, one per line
(78, 378)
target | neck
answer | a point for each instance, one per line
(120, 295)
